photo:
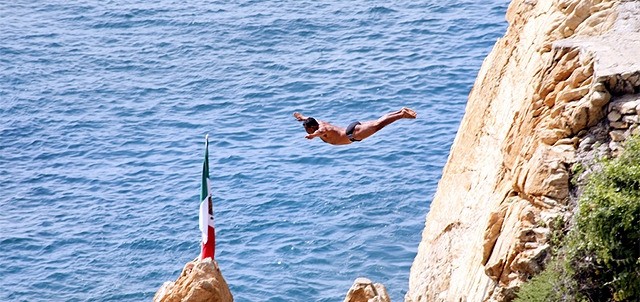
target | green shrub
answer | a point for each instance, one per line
(607, 252)
(549, 285)
(600, 258)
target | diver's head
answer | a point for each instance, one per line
(310, 125)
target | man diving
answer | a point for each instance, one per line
(355, 132)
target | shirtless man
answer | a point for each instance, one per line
(355, 132)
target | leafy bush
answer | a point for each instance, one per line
(549, 285)
(600, 258)
(607, 251)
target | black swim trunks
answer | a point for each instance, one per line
(350, 129)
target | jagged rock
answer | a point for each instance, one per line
(625, 105)
(600, 98)
(614, 116)
(615, 146)
(547, 176)
(529, 260)
(363, 290)
(631, 119)
(619, 125)
(496, 219)
(569, 95)
(617, 135)
(517, 230)
(200, 281)
(586, 144)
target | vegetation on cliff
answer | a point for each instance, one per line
(599, 260)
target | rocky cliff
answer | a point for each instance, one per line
(557, 90)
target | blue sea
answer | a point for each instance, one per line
(104, 106)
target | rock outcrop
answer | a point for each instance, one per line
(200, 281)
(557, 91)
(363, 290)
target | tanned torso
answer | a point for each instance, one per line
(332, 134)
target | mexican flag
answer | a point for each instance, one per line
(206, 209)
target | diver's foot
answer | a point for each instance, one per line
(408, 113)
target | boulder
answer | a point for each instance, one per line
(363, 290)
(200, 281)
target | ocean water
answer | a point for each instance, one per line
(104, 106)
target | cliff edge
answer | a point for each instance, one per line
(559, 88)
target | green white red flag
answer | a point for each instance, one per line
(206, 210)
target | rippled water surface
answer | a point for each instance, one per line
(103, 110)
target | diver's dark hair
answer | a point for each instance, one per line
(310, 123)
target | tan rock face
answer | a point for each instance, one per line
(531, 115)
(363, 290)
(200, 281)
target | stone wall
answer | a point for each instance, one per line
(556, 91)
